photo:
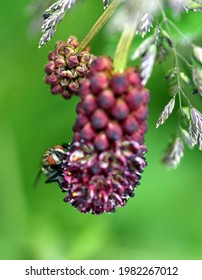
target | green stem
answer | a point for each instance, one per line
(176, 62)
(187, 42)
(184, 59)
(123, 48)
(99, 24)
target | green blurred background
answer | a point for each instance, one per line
(163, 221)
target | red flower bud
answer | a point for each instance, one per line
(89, 104)
(101, 64)
(74, 86)
(130, 125)
(120, 109)
(141, 113)
(56, 89)
(114, 131)
(72, 61)
(106, 99)
(99, 82)
(99, 119)
(50, 67)
(133, 77)
(87, 132)
(51, 79)
(101, 142)
(134, 98)
(119, 84)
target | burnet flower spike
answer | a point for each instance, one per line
(102, 166)
(106, 158)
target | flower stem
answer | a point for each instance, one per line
(99, 24)
(123, 48)
(180, 91)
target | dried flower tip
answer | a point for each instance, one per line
(174, 154)
(141, 50)
(187, 138)
(144, 24)
(197, 79)
(105, 3)
(195, 127)
(167, 111)
(147, 63)
(52, 17)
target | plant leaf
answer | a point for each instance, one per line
(197, 79)
(53, 15)
(167, 111)
(147, 63)
(174, 153)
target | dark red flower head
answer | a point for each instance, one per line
(66, 67)
(103, 165)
